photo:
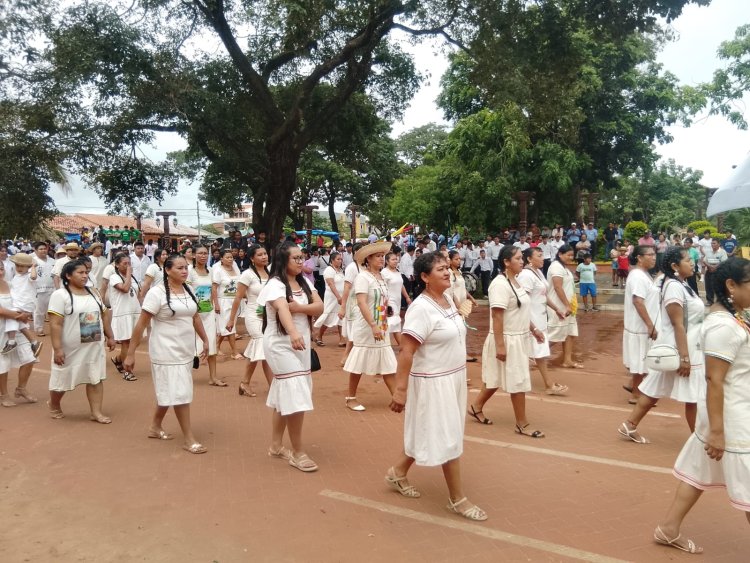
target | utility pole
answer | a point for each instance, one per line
(308, 225)
(198, 211)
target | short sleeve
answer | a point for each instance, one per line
(580, 268)
(526, 280)
(273, 290)
(310, 285)
(247, 278)
(555, 270)
(59, 301)
(499, 293)
(350, 274)
(640, 286)
(361, 284)
(418, 322)
(329, 273)
(673, 293)
(154, 300)
(216, 275)
(723, 341)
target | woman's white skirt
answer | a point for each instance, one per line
(289, 395)
(732, 472)
(254, 349)
(634, 349)
(68, 377)
(225, 306)
(434, 419)
(330, 316)
(377, 359)
(667, 384)
(394, 323)
(539, 350)
(173, 384)
(558, 330)
(512, 375)
(19, 356)
(123, 325)
(209, 325)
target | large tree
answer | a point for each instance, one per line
(248, 84)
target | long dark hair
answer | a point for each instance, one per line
(564, 249)
(736, 269)
(168, 264)
(673, 255)
(278, 270)
(66, 272)
(157, 254)
(507, 253)
(250, 253)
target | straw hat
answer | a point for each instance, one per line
(370, 249)
(22, 259)
(72, 246)
(94, 246)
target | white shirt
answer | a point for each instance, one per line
(348, 258)
(555, 246)
(406, 265)
(44, 282)
(493, 250)
(522, 245)
(10, 270)
(485, 264)
(546, 248)
(704, 245)
(23, 292)
(140, 265)
(150, 250)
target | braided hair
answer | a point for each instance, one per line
(735, 269)
(673, 255)
(168, 265)
(507, 253)
(251, 250)
(67, 271)
(281, 259)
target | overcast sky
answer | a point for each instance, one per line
(711, 144)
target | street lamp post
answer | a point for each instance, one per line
(524, 199)
(166, 240)
(308, 224)
(353, 209)
(593, 205)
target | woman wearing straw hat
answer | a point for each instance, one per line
(371, 350)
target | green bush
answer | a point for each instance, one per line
(635, 230)
(700, 226)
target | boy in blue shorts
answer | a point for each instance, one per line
(587, 276)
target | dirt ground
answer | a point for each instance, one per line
(78, 491)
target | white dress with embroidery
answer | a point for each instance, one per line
(536, 286)
(201, 286)
(253, 321)
(226, 290)
(330, 316)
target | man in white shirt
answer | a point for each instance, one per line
(712, 257)
(470, 257)
(493, 253)
(139, 261)
(486, 266)
(10, 267)
(522, 244)
(150, 250)
(461, 249)
(71, 253)
(406, 267)
(546, 247)
(108, 249)
(45, 285)
(556, 243)
(347, 256)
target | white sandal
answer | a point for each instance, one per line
(358, 408)
(473, 513)
(632, 434)
(662, 539)
(409, 491)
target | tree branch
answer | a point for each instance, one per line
(281, 59)
(440, 30)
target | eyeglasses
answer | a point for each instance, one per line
(298, 258)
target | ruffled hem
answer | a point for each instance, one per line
(290, 395)
(330, 320)
(379, 360)
(254, 350)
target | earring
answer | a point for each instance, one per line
(730, 299)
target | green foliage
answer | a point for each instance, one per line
(700, 225)
(421, 144)
(635, 230)
(725, 92)
(739, 222)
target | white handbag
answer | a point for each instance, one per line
(663, 357)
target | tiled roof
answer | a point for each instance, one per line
(74, 224)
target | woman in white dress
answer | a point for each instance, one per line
(532, 280)
(396, 291)
(348, 311)
(641, 306)
(289, 300)
(225, 274)
(371, 351)
(506, 350)
(172, 310)
(21, 356)
(249, 286)
(717, 454)
(681, 312)
(124, 296)
(155, 272)
(333, 276)
(431, 386)
(199, 278)
(562, 297)
(79, 325)
(457, 290)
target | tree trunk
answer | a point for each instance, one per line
(283, 161)
(332, 211)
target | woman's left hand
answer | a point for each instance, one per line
(715, 445)
(204, 353)
(111, 344)
(398, 401)
(538, 335)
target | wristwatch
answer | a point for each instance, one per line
(685, 359)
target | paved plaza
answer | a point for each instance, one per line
(78, 491)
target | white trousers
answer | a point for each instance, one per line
(40, 313)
